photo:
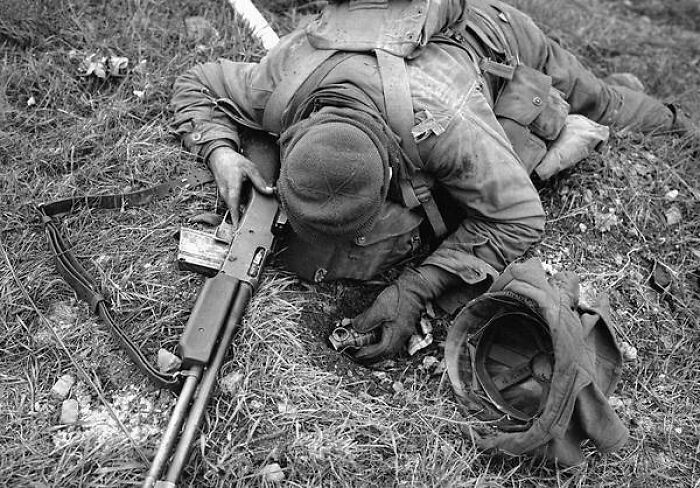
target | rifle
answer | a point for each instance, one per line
(214, 319)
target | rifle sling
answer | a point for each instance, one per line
(80, 280)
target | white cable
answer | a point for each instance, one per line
(257, 24)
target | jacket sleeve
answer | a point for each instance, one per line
(210, 102)
(503, 216)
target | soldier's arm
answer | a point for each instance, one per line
(203, 101)
(503, 215)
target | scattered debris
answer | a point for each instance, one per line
(421, 341)
(70, 412)
(272, 473)
(286, 407)
(104, 66)
(629, 352)
(62, 388)
(671, 195)
(231, 382)
(168, 362)
(429, 362)
(673, 215)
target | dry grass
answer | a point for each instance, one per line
(287, 397)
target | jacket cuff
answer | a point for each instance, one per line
(205, 137)
(209, 147)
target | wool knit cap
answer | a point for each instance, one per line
(334, 177)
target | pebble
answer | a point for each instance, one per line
(629, 352)
(62, 387)
(272, 473)
(430, 361)
(69, 412)
(673, 215)
(168, 362)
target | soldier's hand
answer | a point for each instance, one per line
(396, 312)
(231, 169)
(398, 308)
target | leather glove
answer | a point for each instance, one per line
(397, 311)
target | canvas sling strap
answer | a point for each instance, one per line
(80, 280)
(414, 187)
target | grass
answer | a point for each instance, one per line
(285, 397)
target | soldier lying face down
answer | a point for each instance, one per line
(394, 113)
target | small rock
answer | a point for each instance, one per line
(272, 473)
(441, 368)
(62, 387)
(168, 362)
(346, 322)
(582, 227)
(231, 382)
(671, 195)
(286, 407)
(380, 375)
(397, 387)
(31, 101)
(629, 352)
(616, 403)
(430, 361)
(673, 215)
(69, 412)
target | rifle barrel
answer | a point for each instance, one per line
(196, 413)
(174, 425)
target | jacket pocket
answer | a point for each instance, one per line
(530, 110)
(523, 98)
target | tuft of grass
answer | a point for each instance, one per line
(285, 397)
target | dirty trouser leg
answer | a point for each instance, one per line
(615, 106)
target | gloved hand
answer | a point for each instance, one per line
(397, 311)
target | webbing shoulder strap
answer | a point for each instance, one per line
(85, 287)
(399, 111)
(286, 88)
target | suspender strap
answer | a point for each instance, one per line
(285, 90)
(310, 84)
(80, 280)
(414, 188)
